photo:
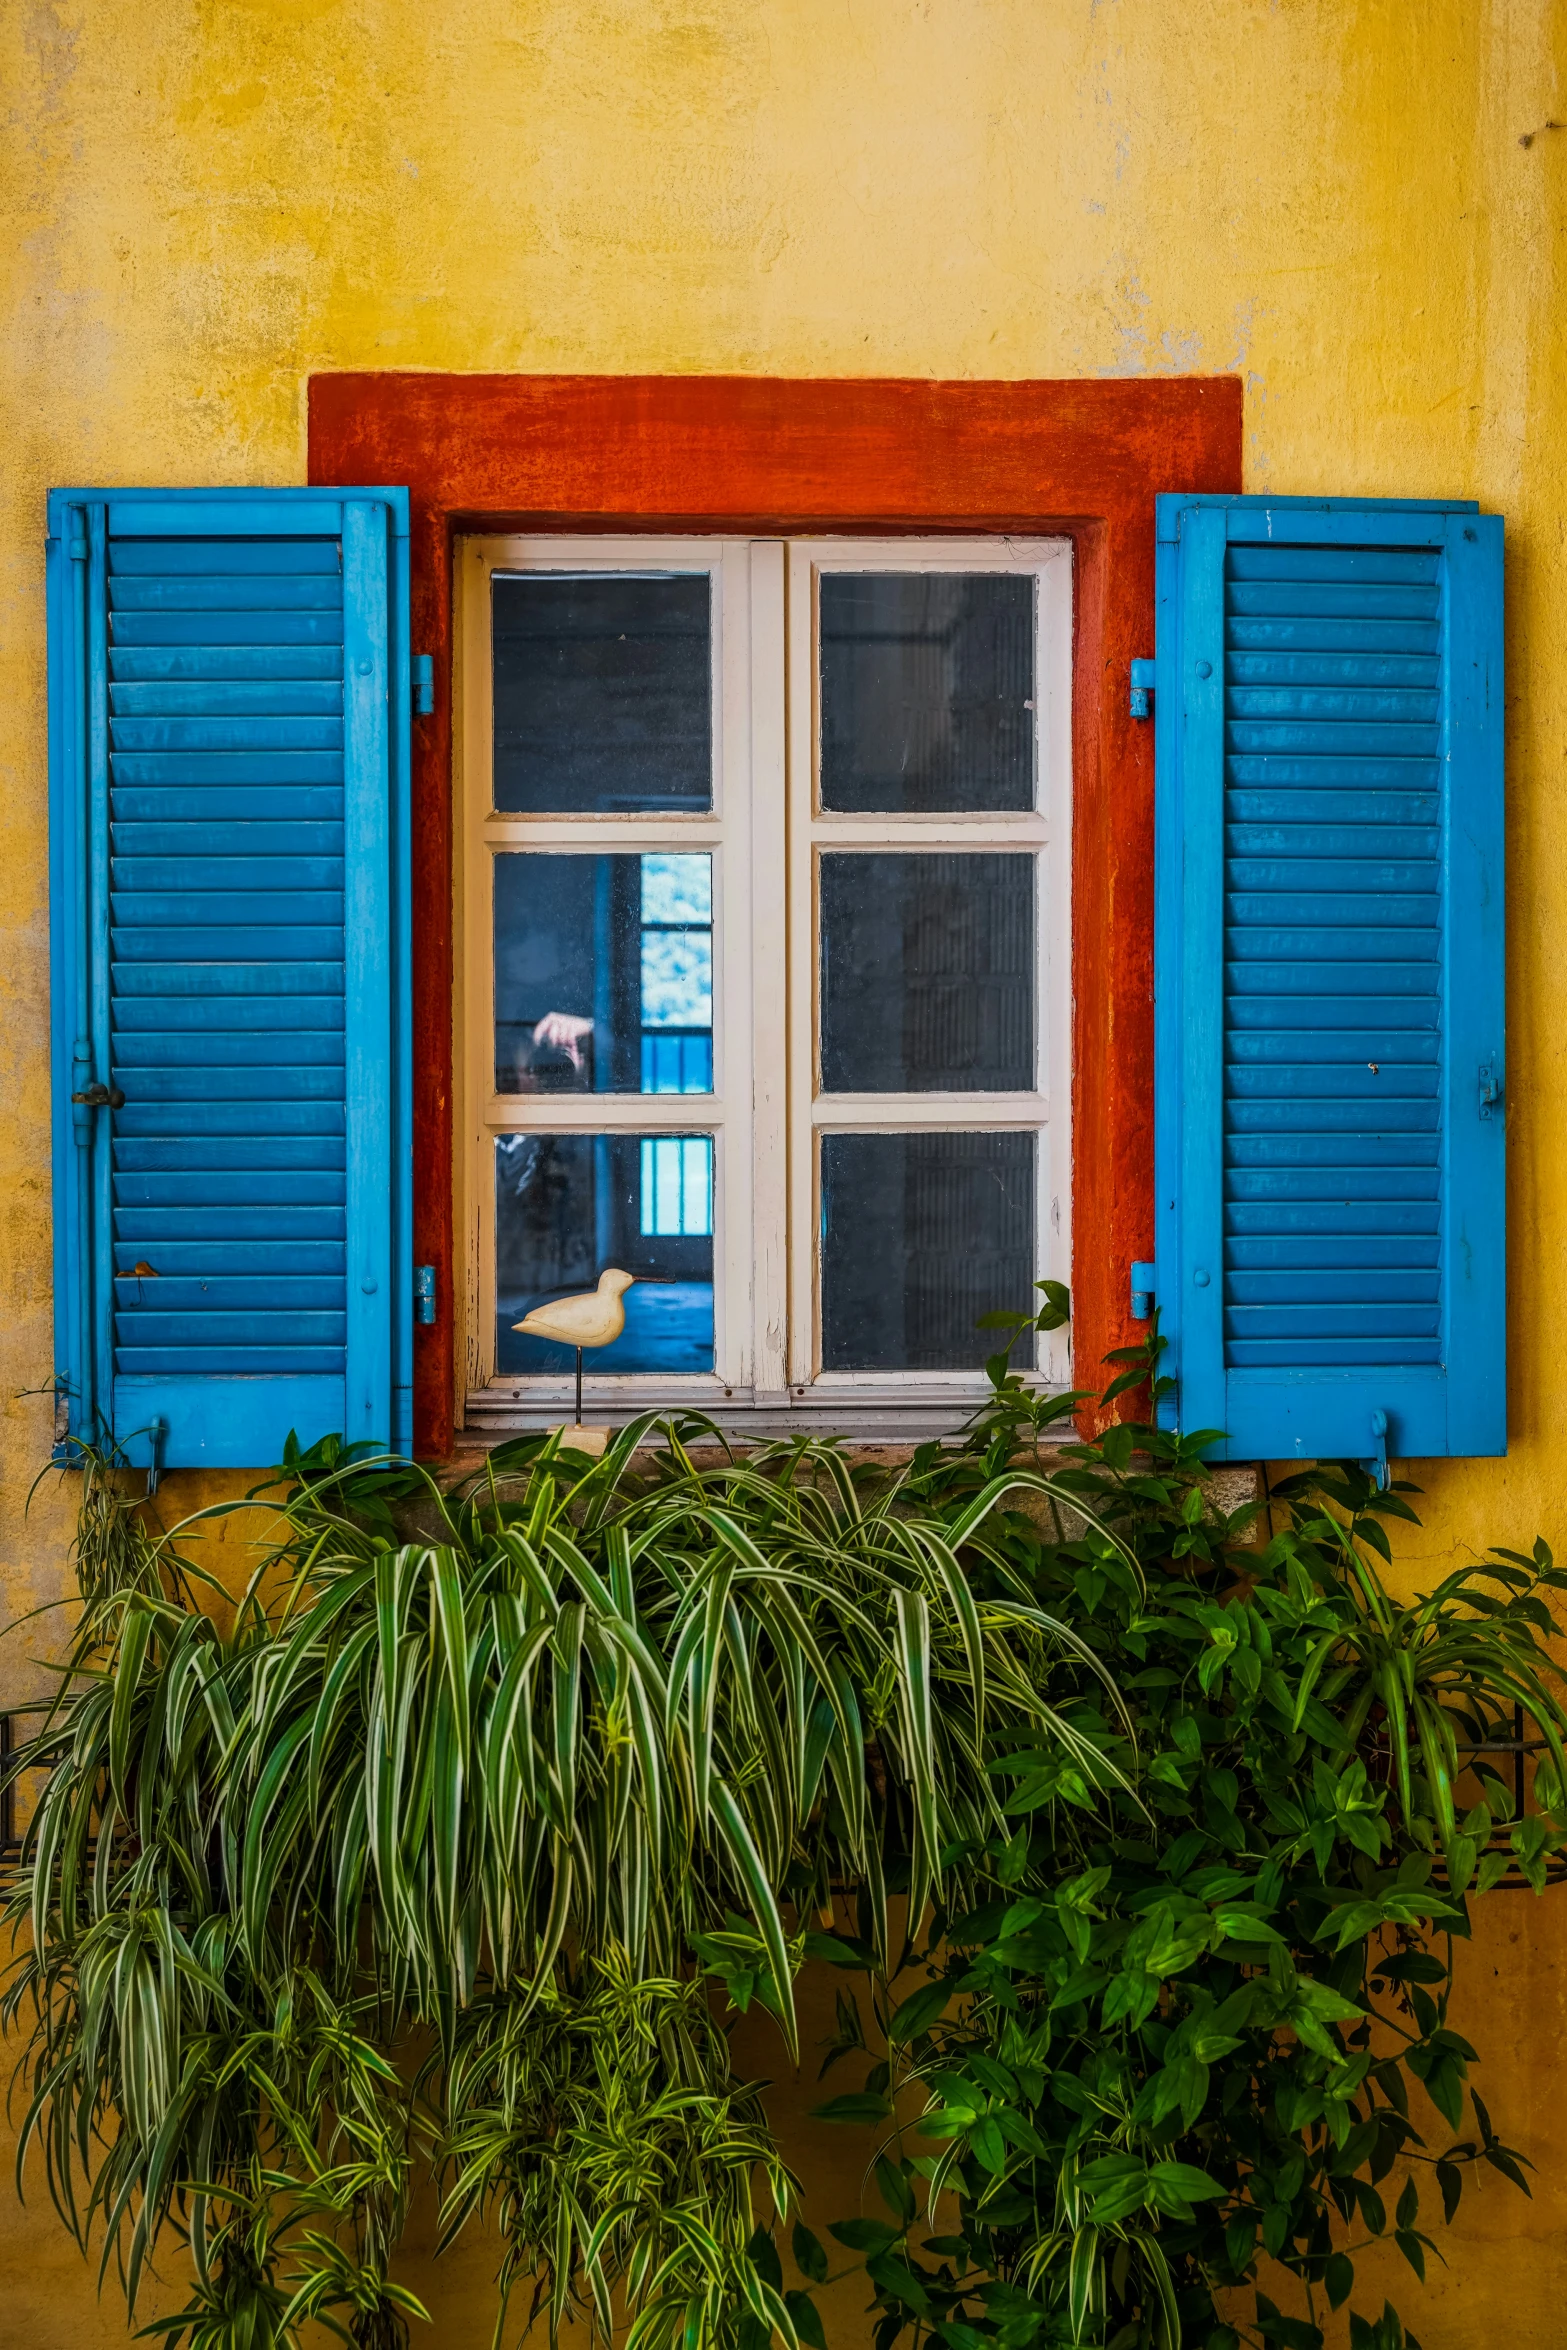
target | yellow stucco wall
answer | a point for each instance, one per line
(1338, 199)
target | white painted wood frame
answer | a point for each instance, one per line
(1045, 831)
(765, 833)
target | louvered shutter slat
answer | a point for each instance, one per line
(1328, 961)
(246, 785)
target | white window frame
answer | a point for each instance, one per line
(766, 832)
(1045, 831)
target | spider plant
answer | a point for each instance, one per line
(605, 2135)
(489, 1772)
(615, 1705)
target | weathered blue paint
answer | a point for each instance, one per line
(229, 809)
(1329, 975)
(400, 979)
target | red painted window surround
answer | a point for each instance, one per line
(767, 456)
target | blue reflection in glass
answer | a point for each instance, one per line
(677, 974)
(567, 1206)
(603, 973)
(677, 1186)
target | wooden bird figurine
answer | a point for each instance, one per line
(595, 1317)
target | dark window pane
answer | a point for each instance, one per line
(921, 1234)
(603, 973)
(603, 692)
(568, 1206)
(927, 973)
(927, 690)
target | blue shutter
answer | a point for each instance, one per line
(1328, 960)
(228, 702)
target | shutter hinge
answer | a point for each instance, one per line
(101, 1097)
(424, 1293)
(1490, 1086)
(157, 1435)
(423, 680)
(1143, 681)
(81, 1066)
(1375, 1465)
(1145, 1285)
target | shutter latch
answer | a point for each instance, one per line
(100, 1097)
(1490, 1086)
(1143, 682)
(424, 1293)
(1145, 1284)
(423, 680)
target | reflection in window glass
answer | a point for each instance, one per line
(603, 692)
(677, 974)
(567, 1207)
(603, 973)
(927, 972)
(921, 1234)
(927, 691)
(677, 1186)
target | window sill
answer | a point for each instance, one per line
(877, 1412)
(875, 1416)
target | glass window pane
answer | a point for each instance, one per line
(603, 692)
(927, 682)
(568, 1207)
(677, 1186)
(603, 973)
(921, 1234)
(927, 973)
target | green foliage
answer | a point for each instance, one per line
(420, 1856)
(1177, 2034)
(449, 1852)
(606, 2138)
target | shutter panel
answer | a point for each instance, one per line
(1329, 983)
(229, 820)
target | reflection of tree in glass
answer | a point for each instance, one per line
(677, 942)
(677, 889)
(677, 979)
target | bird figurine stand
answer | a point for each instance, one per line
(595, 1317)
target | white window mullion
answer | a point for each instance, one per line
(804, 1198)
(604, 834)
(934, 1113)
(768, 1273)
(607, 1113)
(733, 982)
